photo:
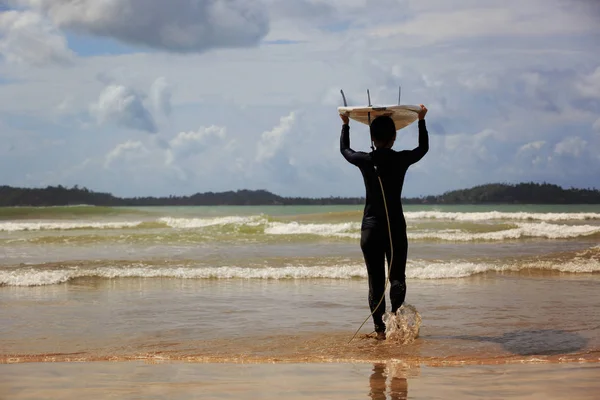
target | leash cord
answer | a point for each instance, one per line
(391, 258)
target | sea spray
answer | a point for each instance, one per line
(403, 326)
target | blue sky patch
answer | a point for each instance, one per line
(89, 46)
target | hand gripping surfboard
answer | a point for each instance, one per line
(403, 115)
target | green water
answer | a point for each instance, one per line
(15, 213)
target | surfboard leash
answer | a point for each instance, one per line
(391, 257)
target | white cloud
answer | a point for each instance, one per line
(161, 94)
(186, 144)
(516, 89)
(271, 141)
(530, 155)
(589, 85)
(572, 146)
(126, 152)
(520, 19)
(596, 125)
(464, 142)
(174, 25)
(532, 146)
(479, 81)
(27, 38)
(123, 106)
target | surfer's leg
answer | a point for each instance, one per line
(398, 271)
(373, 250)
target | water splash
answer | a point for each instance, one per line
(403, 326)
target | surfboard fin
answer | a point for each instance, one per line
(344, 97)
(370, 105)
(399, 94)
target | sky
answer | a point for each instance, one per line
(154, 97)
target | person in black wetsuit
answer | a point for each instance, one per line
(391, 166)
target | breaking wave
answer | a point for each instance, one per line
(523, 225)
(587, 261)
(64, 226)
(522, 230)
(497, 215)
(37, 277)
(192, 223)
(347, 229)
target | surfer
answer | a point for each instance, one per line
(391, 167)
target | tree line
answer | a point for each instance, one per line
(496, 193)
(522, 193)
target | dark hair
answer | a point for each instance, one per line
(383, 129)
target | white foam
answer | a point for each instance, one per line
(403, 326)
(346, 229)
(588, 266)
(419, 269)
(523, 230)
(447, 270)
(497, 215)
(351, 230)
(33, 277)
(190, 223)
(62, 225)
(168, 221)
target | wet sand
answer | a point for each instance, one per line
(134, 380)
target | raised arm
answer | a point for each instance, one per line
(350, 155)
(414, 155)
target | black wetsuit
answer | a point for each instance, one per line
(375, 243)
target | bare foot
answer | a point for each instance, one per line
(380, 336)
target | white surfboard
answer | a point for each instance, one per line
(403, 115)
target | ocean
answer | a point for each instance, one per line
(495, 286)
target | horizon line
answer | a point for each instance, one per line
(78, 187)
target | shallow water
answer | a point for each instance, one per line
(46, 246)
(478, 320)
(200, 302)
(506, 284)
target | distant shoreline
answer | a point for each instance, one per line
(325, 204)
(489, 194)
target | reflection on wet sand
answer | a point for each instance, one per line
(379, 384)
(295, 381)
